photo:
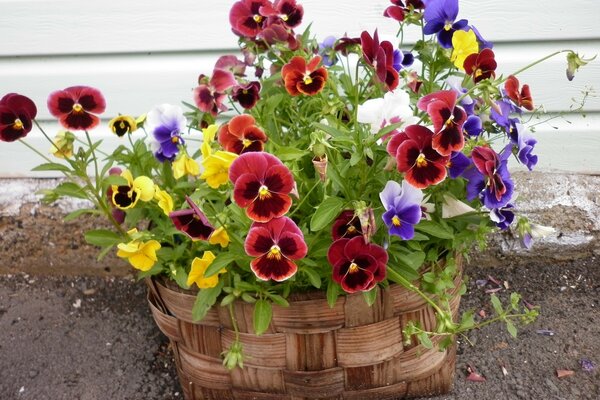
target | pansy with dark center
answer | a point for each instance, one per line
(346, 225)
(262, 184)
(16, 116)
(357, 265)
(122, 125)
(246, 18)
(126, 196)
(402, 208)
(166, 123)
(490, 180)
(275, 244)
(192, 222)
(247, 94)
(241, 135)
(286, 12)
(440, 17)
(422, 165)
(76, 107)
(210, 95)
(503, 217)
(481, 65)
(302, 78)
(447, 119)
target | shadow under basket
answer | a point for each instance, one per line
(311, 351)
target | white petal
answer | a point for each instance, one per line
(453, 207)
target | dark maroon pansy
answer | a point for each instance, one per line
(447, 119)
(422, 165)
(246, 18)
(247, 95)
(262, 185)
(286, 12)
(381, 57)
(346, 225)
(192, 222)
(16, 116)
(76, 107)
(481, 65)
(357, 265)
(275, 244)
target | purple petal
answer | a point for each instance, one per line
(391, 190)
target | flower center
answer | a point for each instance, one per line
(421, 161)
(274, 253)
(246, 142)
(478, 73)
(396, 221)
(263, 192)
(307, 80)
(18, 124)
(351, 229)
(353, 268)
(77, 108)
(284, 17)
(257, 18)
(449, 121)
(175, 139)
(448, 25)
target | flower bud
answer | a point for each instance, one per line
(62, 145)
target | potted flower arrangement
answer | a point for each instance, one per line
(306, 218)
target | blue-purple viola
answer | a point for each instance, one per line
(402, 205)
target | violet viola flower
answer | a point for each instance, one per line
(165, 123)
(483, 44)
(403, 208)
(503, 217)
(500, 113)
(526, 143)
(458, 164)
(473, 126)
(440, 17)
(192, 222)
(490, 180)
(327, 51)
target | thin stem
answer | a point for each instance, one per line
(234, 322)
(93, 154)
(304, 198)
(39, 153)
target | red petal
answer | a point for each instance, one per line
(526, 99)
(246, 189)
(79, 121)
(313, 64)
(292, 246)
(258, 241)
(447, 96)
(256, 163)
(296, 64)
(239, 123)
(422, 177)
(203, 98)
(336, 251)
(268, 208)
(222, 80)
(272, 268)
(511, 87)
(394, 12)
(448, 140)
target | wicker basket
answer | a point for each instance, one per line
(311, 351)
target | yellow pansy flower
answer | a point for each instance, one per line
(62, 145)
(464, 44)
(127, 196)
(216, 168)
(164, 199)
(122, 125)
(219, 236)
(185, 165)
(208, 136)
(141, 255)
(199, 267)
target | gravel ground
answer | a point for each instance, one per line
(94, 338)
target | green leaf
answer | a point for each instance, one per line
(263, 312)
(280, 301)
(115, 180)
(496, 304)
(515, 298)
(70, 189)
(52, 167)
(77, 213)
(205, 299)
(221, 261)
(333, 291)
(102, 237)
(326, 213)
(434, 229)
(181, 277)
(155, 270)
(313, 276)
(512, 329)
(413, 260)
(467, 321)
(424, 340)
(290, 153)
(371, 296)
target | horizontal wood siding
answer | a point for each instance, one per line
(144, 53)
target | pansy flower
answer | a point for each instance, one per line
(262, 184)
(422, 165)
(473, 126)
(381, 57)
(246, 18)
(241, 135)
(503, 217)
(192, 222)
(185, 165)
(327, 51)
(247, 94)
(402, 208)
(500, 113)
(275, 244)
(122, 124)
(166, 123)
(216, 168)
(302, 78)
(357, 265)
(521, 98)
(210, 95)
(16, 116)
(220, 237)
(286, 12)
(490, 180)
(62, 145)
(440, 17)
(457, 164)
(127, 196)
(394, 107)
(76, 107)
(463, 45)
(164, 200)
(198, 269)
(346, 225)
(141, 255)
(481, 65)
(525, 143)
(400, 8)
(447, 119)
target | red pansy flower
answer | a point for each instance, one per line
(192, 222)
(247, 95)
(241, 135)
(301, 78)
(246, 18)
(447, 119)
(286, 12)
(422, 165)
(481, 65)
(346, 225)
(276, 32)
(381, 57)
(275, 245)
(357, 265)
(400, 8)
(521, 98)
(210, 95)
(261, 185)
(76, 107)
(16, 116)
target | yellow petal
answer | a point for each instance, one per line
(144, 187)
(179, 167)
(127, 175)
(141, 261)
(219, 236)
(464, 44)
(164, 199)
(209, 133)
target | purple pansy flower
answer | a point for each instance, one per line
(525, 143)
(458, 164)
(503, 217)
(403, 208)
(473, 126)
(165, 123)
(500, 113)
(327, 51)
(440, 17)
(490, 180)
(402, 59)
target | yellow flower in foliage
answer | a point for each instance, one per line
(185, 165)
(219, 236)
(208, 136)
(122, 125)
(127, 196)
(199, 267)
(464, 44)
(141, 255)
(164, 199)
(216, 168)
(62, 145)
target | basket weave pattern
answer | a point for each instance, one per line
(311, 351)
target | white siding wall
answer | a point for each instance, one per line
(144, 52)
